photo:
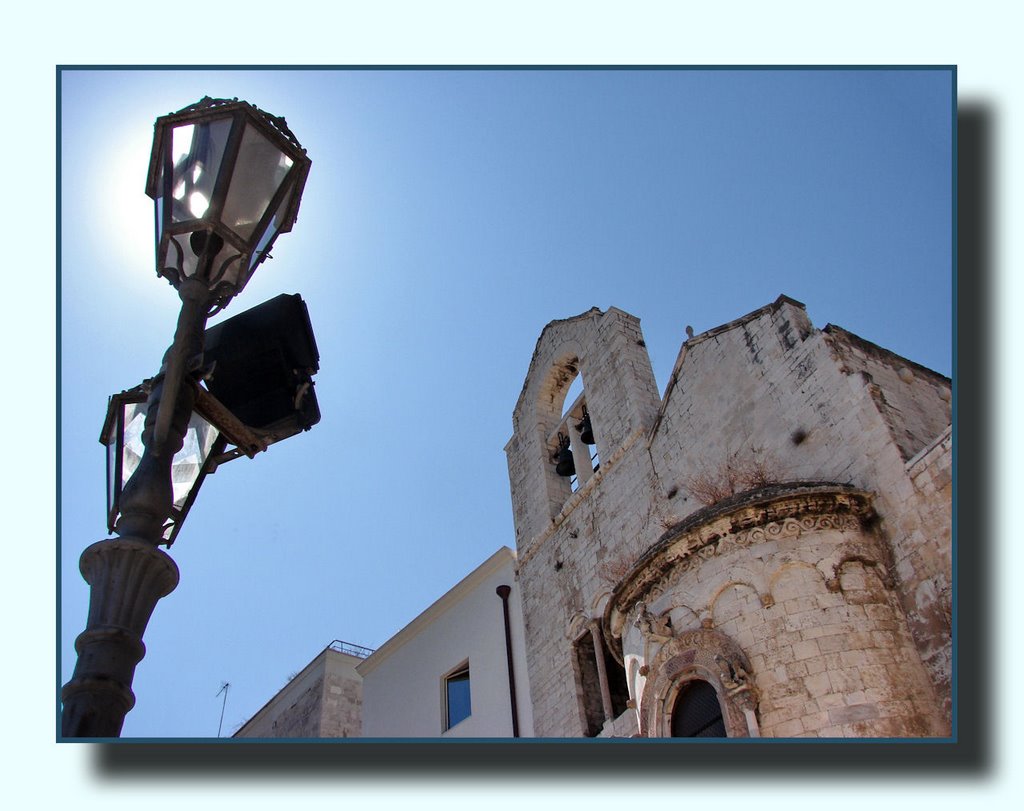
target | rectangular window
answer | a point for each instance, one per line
(599, 702)
(589, 686)
(456, 696)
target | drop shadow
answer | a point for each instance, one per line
(969, 754)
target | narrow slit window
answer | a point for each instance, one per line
(602, 683)
(589, 686)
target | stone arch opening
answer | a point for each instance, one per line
(699, 656)
(696, 711)
(551, 394)
(568, 435)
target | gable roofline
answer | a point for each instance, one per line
(707, 334)
(504, 556)
(869, 348)
(743, 319)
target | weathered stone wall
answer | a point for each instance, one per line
(569, 573)
(622, 727)
(914, 401)
(294, 712)
(568, 542)
(924, 529)
(796, 578)
(341, 716)
(322, 701)
(766, 395)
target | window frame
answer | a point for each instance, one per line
(459, 674)
(685, 706)
(602, 686)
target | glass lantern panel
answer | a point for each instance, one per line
(273, 229)
(112, 484)
(159, 215)
(188, 462)
(131, 454)
(197, 151)
(259, 171)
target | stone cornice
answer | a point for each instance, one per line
(775, 511)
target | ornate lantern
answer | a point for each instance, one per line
(227, 179)
(122, 434)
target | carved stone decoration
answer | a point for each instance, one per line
(654, 628)
(775, 513)
(577, 624)
(699, 654)
(864, 551)
(736, 680)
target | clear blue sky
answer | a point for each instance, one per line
(450, 215)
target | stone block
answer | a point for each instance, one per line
(849, 714)
(806, 650)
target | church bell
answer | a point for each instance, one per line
(585, 429)
(565, 466)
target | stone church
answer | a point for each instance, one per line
(763, 550)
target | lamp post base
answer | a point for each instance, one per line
(127, 577)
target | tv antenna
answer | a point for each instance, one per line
(223, 689)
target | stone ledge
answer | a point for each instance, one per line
(536, 543)
(763, 511)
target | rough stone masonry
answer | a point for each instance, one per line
(775, 529)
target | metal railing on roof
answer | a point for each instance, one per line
(350, 649)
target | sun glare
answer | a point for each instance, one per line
(181, 142)
(197, 204)
(123, 243)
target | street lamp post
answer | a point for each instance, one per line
(226, 179)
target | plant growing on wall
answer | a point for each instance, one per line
(741, 470)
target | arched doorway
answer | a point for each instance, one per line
(697, 712)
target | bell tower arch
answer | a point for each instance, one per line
(619, 399)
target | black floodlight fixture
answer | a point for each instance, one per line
(227, 178)
(261, 364)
